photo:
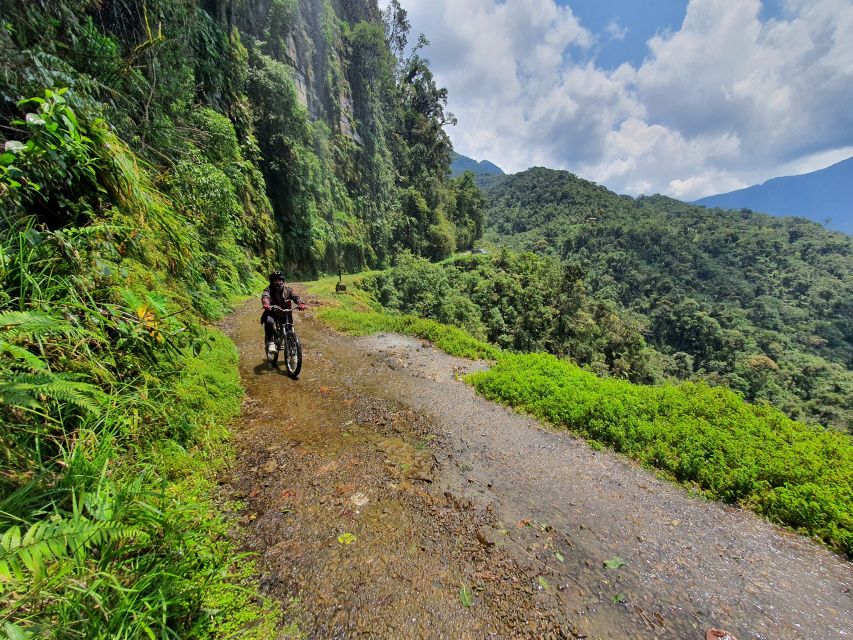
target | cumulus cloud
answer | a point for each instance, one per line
(725, 101)
(615, 30)
(777, 84)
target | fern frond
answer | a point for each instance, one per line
(49, 541)
(30, 325)
(25, 357)
(28, 390)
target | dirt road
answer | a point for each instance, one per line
(393, 502)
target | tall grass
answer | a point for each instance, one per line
(107, 527)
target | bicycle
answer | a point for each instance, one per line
(285, 340)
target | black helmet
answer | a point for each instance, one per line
(275, 275)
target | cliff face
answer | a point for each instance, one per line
(337, 153)
(354, 152)
(295, 33)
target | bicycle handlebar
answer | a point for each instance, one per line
(275, 306)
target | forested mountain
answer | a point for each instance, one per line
(460, 164)
(758, 303)
(824, 195)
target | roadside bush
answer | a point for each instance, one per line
(795, 474)
(518, 302)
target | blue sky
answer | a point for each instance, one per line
(624, 26)
(687, 97)
(623, 29)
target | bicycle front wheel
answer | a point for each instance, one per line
(292, 355)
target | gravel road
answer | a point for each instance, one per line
(393, 502)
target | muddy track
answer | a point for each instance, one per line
(466, 520)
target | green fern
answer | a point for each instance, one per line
(32, 390)
(32, 325)
(23, 358)
(49, 541)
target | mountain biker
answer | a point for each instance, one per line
(276, 295)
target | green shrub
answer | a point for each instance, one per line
(796, 474)
(114, 399)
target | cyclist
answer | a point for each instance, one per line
(276, 295)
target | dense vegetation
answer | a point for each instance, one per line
(760, 304)
(353, 148)
(115, 400)
(522, 303)
(156, 157)
(704, 437)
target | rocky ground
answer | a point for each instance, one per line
(392, 502)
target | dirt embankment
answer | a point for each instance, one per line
(395, 503)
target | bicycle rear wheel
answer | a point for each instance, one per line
(292, 354)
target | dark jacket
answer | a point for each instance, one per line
(278, 299)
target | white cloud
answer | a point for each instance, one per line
(615, 30)
(724, 101)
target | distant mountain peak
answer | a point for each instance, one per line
(821, 195)
(460, 164)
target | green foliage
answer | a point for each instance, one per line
(756, 303)
(355, 153)
(518, 302)
(46, 542)
(56, 157)
(110, 391)
(798, 475)
(111, 401)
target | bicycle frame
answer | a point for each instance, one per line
(286, 340)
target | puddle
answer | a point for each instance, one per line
(413, 463)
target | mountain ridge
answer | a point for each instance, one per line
(820, 195)
(460, 164)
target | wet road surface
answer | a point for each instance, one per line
(394, 502)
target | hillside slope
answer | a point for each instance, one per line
(759, 303)
(819, 195)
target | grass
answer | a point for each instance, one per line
(356, 313)
(706, 438)
(144, 550)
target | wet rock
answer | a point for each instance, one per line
(486, 537)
